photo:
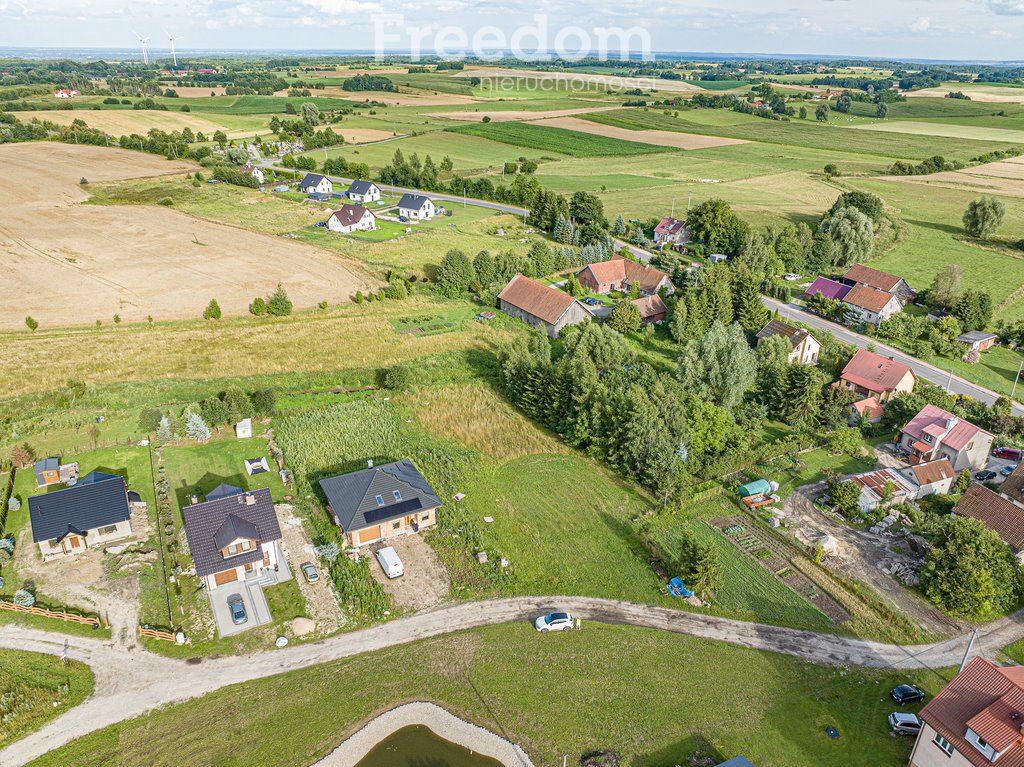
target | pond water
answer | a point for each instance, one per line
(418, 746)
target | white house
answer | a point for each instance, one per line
(352, 218)
(314, 183)
(805, 347)
(870, 306)
(417, 207)
(363, 191)
(91, 513)
(66, 94)
(931, 478)
(254, 171)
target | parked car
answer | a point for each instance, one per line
(904, 724)
(404, 219)
(321, 224)
(390, 563)
(309, 571)
(1011, 453)
(906, 693)
(554, 622)
(237, 608)
(1008, 469)
(984, 476)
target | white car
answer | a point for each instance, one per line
(554, 622)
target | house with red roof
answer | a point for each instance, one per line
(998, 513)
(976, 720)
(868, 374)
(869, 306)
(858, 274)
(671, 231)
(651, 308)
(619, 273)
(935, 433)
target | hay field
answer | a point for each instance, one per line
(583, 79)
(990, 94)
(513, 115)
(195, 92)
(402, 99)
(71, 264)
(950, 130)
(123, 122)
(364, 135)
(655, 137)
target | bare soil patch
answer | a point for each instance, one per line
(425, 583)
(399, 99)
(124, 122)
(72, 264)
(513, 115)
(654, 137)
(321, 605)
(194, 92)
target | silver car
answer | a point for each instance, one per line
(554, 622)
(904, 724)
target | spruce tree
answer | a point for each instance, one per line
(163, 431)
(195, 427)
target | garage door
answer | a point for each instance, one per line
(368, 535)
(225, 577)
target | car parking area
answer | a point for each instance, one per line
(425, 583)
(256, 609)
(997, 465)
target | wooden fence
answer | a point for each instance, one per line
(87, 620)
(167, 636)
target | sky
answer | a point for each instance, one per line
(935, 29)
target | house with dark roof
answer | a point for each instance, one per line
(975, 721)
(352, 218)
(1004, 517)
(363, 192)
(233, 535)
(935, 433)
(868, 374)
(92, 512)
(619, 273)
(380, 502)
(417, 207)
(805, 346)
(858, 274)
(541, 306)
(316, 183)
(671, 231)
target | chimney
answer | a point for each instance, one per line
(951, 422)
(369, 464)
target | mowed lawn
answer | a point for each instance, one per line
(193, 468)
(35, 688)
(654, 697)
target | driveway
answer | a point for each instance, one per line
(253, 598)
(425, 583)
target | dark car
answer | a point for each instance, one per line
(237, 608)
(1008, 469)
(984, 476)
(906, 693)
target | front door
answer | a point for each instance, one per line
(72, 543)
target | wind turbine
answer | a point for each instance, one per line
(174, 56)
(143, 41)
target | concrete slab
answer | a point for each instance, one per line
(255, 602)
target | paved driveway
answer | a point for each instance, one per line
(255, 607)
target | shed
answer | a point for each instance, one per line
(243, 429)
(754, 488)
(978, 340)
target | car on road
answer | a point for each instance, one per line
(237, 609)
(554, 622)
(1010, 453)
(904, 724)
(309, 572)
(1008, 469)
(984, 476)
(906, 693)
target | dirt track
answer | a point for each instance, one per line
(71, 264)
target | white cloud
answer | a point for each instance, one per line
(922, 24)
(1007, 7)
(1000, 33)
(806, 25)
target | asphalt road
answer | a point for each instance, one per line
(133, 681)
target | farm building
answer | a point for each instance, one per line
(619, 273)
(363, 192)
(865, 276)
(868, 374)
(805, 347)
(827, 288)
(882, 487)
(935, 433)
(652, 309)
(1002, 516)
(93, 512)
(977, 340)
(352, 218)
(671, 231)
(380, 502)
(416, 207)
(543, 307)
(315, 183)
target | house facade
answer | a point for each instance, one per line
(381, 502)
(254, 171)
(541, 306)
(94, 511)
(868, 374)
(931, 478)
(671, 231)
(352, 218)
(315, 183)
(805, 346)
(619, 273)
(233, 535)
(869, 306)
(416, 207)
(935, 433)
(363, 192)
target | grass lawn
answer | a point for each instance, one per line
(193, 468)
(654, 697)
(35, 688)
(545, 138)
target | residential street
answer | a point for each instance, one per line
(131, 681)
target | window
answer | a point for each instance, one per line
(944, 744)
(108, 530)
(398, 495)
(927, 438)
(426, 515)
(380, 500)
(396, 524)
(238, 547)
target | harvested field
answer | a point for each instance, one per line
(521, 115)
(72, 264)
(921, 128)
(1004, 177)
(654, 137)
(583, 81)
(190, 92)
(993, 95)
(364, 135)
(122, 122)
(400, 99)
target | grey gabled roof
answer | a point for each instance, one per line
(233, 528)
(975, 335)
(97, 500)
(353, 497)
(413, 201)
(311, 179)
(205, 524)
(46, 464)
(360, 187)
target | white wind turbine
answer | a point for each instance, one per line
(144, 41)
(174, 56)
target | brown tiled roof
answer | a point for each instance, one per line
(989, 700)
(933, 471)
(870, 407)
(1013, 485)
(865, 275)
(650, 306)
(868, 298)
(874, 372)
(1003, 517)
(618, 269)
(780, 328)
(549, 304)
(348, 215)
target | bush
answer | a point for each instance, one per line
(149, 419)
(5, 557)
(24, 598)
(31, 323)
(329, 551)
(165, 201)
(279, 304)
(212, 310)
(83, 181)
(359, 297)
(258, 306)
(399, 378)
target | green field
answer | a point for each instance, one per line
(655, 698)
(544, 138)
(36, 688)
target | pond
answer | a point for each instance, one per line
(418, 746)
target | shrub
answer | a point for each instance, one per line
(149, 419)
(24, 598)
(83, 181)
(359, 297)
(212, 310)
(399, 378)
(329, 551)
(322, 304)
(31, 323)
(165, 201)
(258, 306)
(396, 290)
(5, 557)
(279, 304)
(13, 504)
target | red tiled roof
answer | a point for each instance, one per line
(1013, 485)
(1003, 517)
(989, 700)
(868, 298)
(869, 407)
(865, 275)
(670, 226)
(650, 306)
(549, 304)
(618, 269)
(955, 433)
(874, 372)
(876, 481)
(933, 471)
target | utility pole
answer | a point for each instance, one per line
(970, 646)
(1016, 378)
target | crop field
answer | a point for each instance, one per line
(572, 143)
(974, 132)
(122, 122)
(654, 137)
(35, 688)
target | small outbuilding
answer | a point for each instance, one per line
(243, 429)
(977, 340)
